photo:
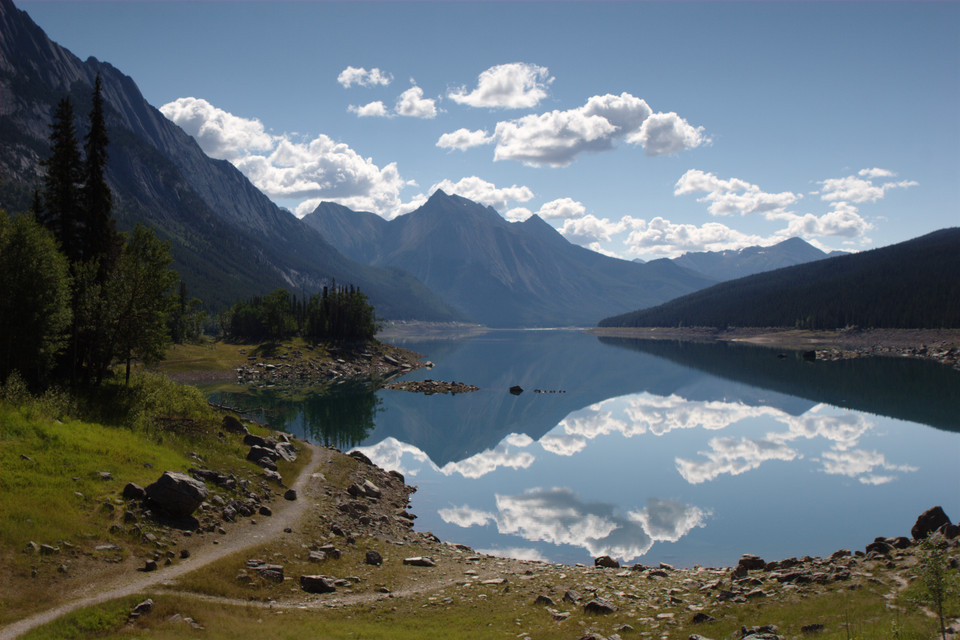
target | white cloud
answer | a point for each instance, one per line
(482, 463)
(360, 76)
(589, 228)
(516, 85)
(517, 214)
(734, 195)
(486, 193)
(563, 445)
(220, 134)
(466, 516)
(411, 103)
(727, 455)
(392, 455)
(562, 209)
(464, 139)
(844, 221)
(284, 168)
(558, 516)
(861, 188)
(667, 133)
(662, 237)
(556, 138)
(860, 464)
(372, 109)
(669, 520)
(517, 553)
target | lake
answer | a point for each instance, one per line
(649, 451)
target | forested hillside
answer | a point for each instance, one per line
(914, 284)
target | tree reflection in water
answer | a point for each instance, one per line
(338, 415)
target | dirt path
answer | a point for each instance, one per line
(285, 514)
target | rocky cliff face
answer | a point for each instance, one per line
(228, 239)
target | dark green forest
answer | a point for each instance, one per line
(914, 284)
(334, 314)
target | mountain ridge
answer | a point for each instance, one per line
(912, 284)
(503, 274)
(227, 238)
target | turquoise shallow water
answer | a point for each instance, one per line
(651, 451)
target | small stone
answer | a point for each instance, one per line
(150, 565)
(290, 494)
(607, 562)
(264, 510)
(143, 608)
(373, 558)
(544, 600)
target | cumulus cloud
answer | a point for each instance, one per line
(845, 221)
(861, 188)
(731, 456)
(482, 463)
(669, 520)
(554, 139)
(663, 237)
(667, 133)
(589, 228)
(563, 445)
(285, 168)
(411, 103)
(517, 85)
(372, 109)
(733, 195)
(517, 214)
(863, 465)
(360, 76)
(557, 137)
(486, 193)
(392, 455)
(465, 516)
(562, 209)
(220, 134)
(464, 139)
(517, 553)
(559, 516)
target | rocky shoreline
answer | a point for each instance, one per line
(430, 387)
(308, 363)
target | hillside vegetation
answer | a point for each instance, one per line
(914, 284)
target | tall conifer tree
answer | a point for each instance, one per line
(61, 198)
(99, 237)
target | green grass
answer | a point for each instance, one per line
(53, 449)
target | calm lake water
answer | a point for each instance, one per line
(650, 451)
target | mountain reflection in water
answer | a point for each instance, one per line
(686, 452)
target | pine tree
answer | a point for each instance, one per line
(98, 235)
(61, 198)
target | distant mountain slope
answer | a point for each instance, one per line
(502, 274)
(228, 239)
(914, 284)
(730, 265)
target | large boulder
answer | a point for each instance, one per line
(928, 522)
(177, 494)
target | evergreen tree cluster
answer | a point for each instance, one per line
(76, 296)
(334, 314)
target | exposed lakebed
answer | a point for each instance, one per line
(657, 451)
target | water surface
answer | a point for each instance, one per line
(651, 451)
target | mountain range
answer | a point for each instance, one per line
(502, 274)
(738, 263)
(228, 240)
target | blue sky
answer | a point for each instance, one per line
(640, 129)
